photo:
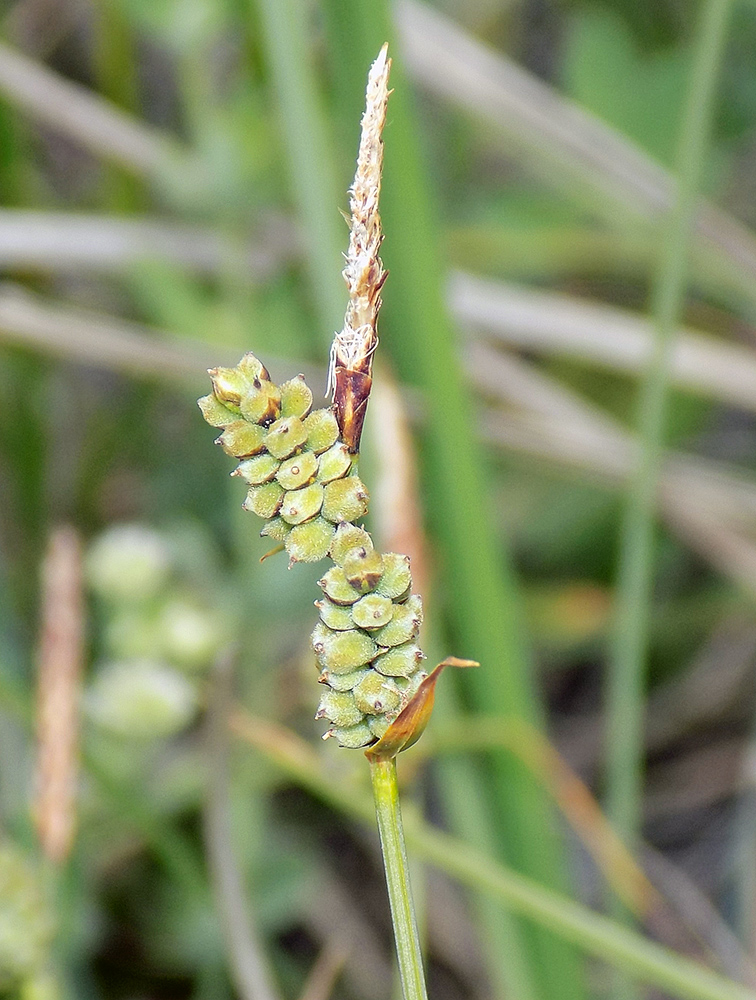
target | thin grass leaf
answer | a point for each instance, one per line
(309, 159)
(634, 586)
(98, 125)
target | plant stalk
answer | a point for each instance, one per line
(386, 795)
(634, 587)
(630, 643)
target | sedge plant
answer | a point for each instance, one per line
(301, 467)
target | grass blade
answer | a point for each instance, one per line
(310, 159)
(630, 639)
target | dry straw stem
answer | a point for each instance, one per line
(350, 374)
(536, 320)
(571, 794)
(326, 970)
(58, 694)
(112, 343)
(553, 423)
(556, 324)
(70, 241)
(669, 917)
(96, 123)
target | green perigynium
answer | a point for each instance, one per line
(302, 480)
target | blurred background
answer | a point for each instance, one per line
(171, 174)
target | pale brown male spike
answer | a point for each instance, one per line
(350, 372)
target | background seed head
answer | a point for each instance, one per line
(140, 699)
(188, 634)
(128, 562)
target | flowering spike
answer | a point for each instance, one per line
(350, 372)
(300, 465)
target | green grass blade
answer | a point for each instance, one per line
(630, 639)
(115, 69)
(309, 155)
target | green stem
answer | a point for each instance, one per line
(386, 795)
(630, 640)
